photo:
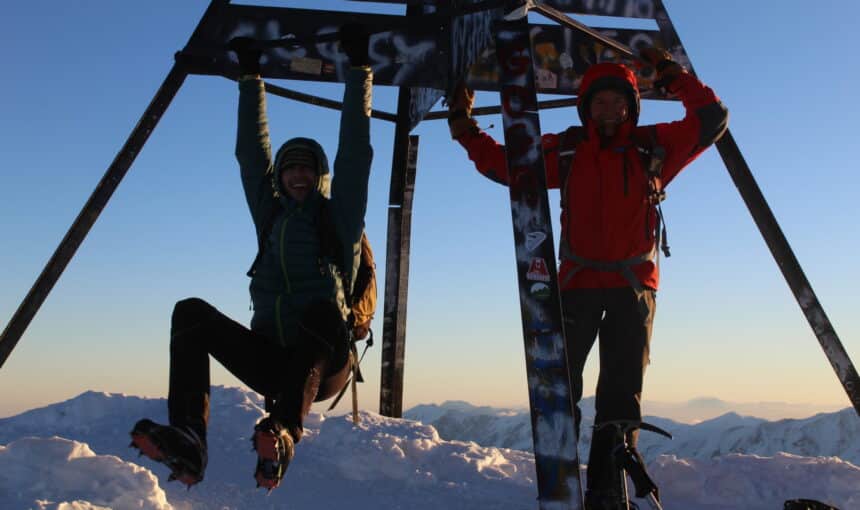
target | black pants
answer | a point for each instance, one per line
(622, 320)
(294, 378)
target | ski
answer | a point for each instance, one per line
(553, 428)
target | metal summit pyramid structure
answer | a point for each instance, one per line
(426, 52)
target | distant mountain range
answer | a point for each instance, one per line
(823, 435)
(706, 408)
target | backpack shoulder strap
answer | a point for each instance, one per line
(653, 156)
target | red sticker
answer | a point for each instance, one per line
(538, 271)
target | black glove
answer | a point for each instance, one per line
(666, 68)
(354, 41)
(248, 54)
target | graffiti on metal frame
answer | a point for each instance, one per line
(617, 8)
(414, 55)
(398, 57)
(561, 57)
(426, 55)
(470, 36)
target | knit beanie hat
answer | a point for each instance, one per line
(298, 155)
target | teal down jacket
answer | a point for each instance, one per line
(291, 272)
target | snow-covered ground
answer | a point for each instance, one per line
(74, 456)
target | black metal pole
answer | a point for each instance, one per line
(397, 261)
(275, 90)
(790, 267)
(90, 212)
(778, 244)
(490, 110)
(565, 20)
(403, 168)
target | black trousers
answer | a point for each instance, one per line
(315, 370)
(622, 320)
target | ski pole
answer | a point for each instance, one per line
(563, 19)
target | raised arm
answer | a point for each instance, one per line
(354, 156)
(705, 119)
(354, 153)
(253, 148)
(487, 154)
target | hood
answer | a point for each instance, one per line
(323, 186)
(608, 76)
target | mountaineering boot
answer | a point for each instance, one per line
(275, 449)
(179, 448)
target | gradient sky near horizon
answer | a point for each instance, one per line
(78, 75)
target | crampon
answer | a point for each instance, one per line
(275, 449)
(178, 448)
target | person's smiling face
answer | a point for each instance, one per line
(609, 109)
(298, 181)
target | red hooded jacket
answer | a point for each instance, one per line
(606, 191)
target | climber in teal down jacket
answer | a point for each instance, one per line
(297, 349)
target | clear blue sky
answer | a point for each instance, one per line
(79, 74)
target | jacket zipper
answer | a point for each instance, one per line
(281, 253)
(626, 171)
(288, 290)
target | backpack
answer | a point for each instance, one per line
(361, 299)
(364, 289)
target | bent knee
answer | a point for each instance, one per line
(190, 307)
(187, 315)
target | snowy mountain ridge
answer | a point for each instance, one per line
(826, 434)
(74, 456)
